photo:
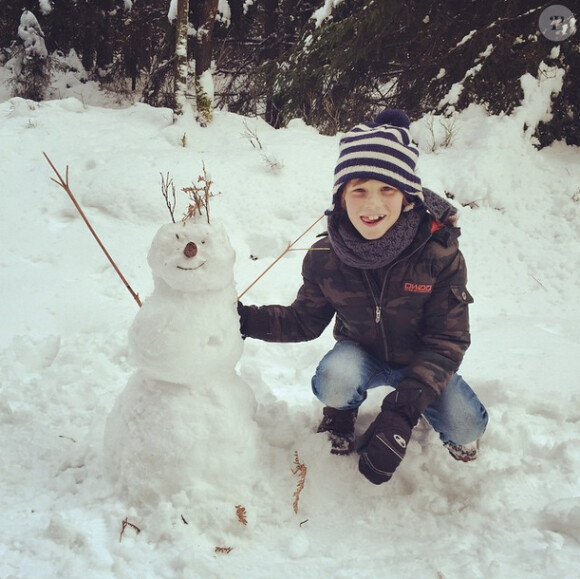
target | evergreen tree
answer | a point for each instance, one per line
(9, 20)
(31, 67)
(564, 124)
(253, 50)
(338, 72)
(159, 89)
(422, 56)
(272, 59)
(144, 29)
(478, 54)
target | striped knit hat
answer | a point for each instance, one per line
(381, 150)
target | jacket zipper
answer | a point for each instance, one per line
(378, 311)
(379, 301)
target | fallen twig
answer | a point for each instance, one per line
(241, 514)
(126, 524)
(300, 469)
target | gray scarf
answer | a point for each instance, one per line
(356, 251)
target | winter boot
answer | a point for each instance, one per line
(462, 452)
(339, 424)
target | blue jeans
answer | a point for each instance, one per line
(346, 373)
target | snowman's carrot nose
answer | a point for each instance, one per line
(190, 249)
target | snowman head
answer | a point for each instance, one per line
(192, 256)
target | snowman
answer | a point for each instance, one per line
(184, 423)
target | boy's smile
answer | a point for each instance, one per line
(372, 206)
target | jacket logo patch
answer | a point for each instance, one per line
(418, 288)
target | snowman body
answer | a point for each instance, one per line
(185, 420)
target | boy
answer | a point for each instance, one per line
(391, 274)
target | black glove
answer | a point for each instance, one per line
(382, 447)
(243, 316)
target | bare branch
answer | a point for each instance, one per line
(166, 183)
(199, 196)
(125, 523)
(64, 183)
(280, 257)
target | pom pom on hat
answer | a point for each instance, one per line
(393, 117)
(381, 150)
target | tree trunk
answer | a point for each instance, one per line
(180, 86)
(272, 54)
(88, 42)
(204, 20)
(104, 56)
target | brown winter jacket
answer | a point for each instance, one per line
(413, 313)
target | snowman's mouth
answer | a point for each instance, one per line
(191, 268)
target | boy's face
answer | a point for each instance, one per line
(372, 206)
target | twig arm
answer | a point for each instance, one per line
(64, 184)
(290, 245)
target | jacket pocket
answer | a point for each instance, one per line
(460, 294)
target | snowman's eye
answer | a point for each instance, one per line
(177, 236)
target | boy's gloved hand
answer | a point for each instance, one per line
(242, 314)
(382, 447)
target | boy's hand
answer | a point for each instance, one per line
(383, 446)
